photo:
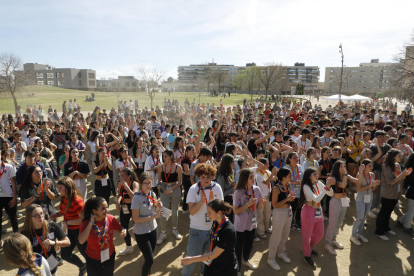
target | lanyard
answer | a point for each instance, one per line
(124, 191)
(155, 164)
(40, 242)
(231, 179)
(396, 171)
(75, 168)
(140, 153)
(250, 197)
(326, 165)
(318, 193)
(101, 235)
(169, 173)
(215, 230)
(151, 199)
(326, 144)
(59, 137)
(303, 145)
(202, 189)
(312, 164)
(265, 178)
(293, 172)
(285, 189)
(41, 190)
(368, 183)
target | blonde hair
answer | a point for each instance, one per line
(71, 191)
(18, 251)
(28, 228)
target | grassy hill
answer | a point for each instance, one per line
(55, 96)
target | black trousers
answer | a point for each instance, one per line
(187, 186)
(124, 219)
(147, 243)
(57, 154)
(296, 211)
(11, 211)
(383, 218)
(244, 245)
(103, 191)
(218, 271)
(96, 268)
(66, 252)
(138, 171)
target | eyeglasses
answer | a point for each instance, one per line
(37, 216)
(38, 172)
(146, 183)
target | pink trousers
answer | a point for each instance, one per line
(312, 229)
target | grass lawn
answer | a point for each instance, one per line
(55, 96)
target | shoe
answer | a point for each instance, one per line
(410, 232)
(298, 228)
(293, 227)
(330, 249)
(309, 261)
(398, 206)
(82, 271)
(371, 214)
(383, 237)
(284, 257)
(184, 212)
(256, 239)
(60, 260)
(392, 233)
(273, 264)
(127, 250)
(263, 236)
(239, 273)
(376, 210)
(361, 237)
(325, 218)
(19, 215)
(314, 253)
(162, 237)
(269, 231)
(176, 234)
(399, 224)
(355, 240)
(5, 217)
(337, 244)
(249, 264)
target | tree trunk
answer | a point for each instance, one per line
(15, 100)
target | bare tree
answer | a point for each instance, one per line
(270, 74)
(403, 69)
(152, 76)
(219, 77)
(252, 79)
(12, 77)
(239, 81)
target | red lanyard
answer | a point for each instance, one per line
(124, 191)
(202, 189)
(324, 138)
(303, 145)
(326, 166)
(169, 173)
(140, 154)
(368, 183)
(297, 172)
(317, 188)
(215, 232)
(151, 199)
(75, 168)
(250, 197)
(155, 164)
(40, 242)
(41, 190)
(59, 137)
(396, 171)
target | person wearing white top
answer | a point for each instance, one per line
(8, 194)
(263, 181)
(153, 160)
(313, 191)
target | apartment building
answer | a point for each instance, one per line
(121, 84)
(301, 74)
(84, 79)
(368, 78)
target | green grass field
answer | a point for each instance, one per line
(55, 96)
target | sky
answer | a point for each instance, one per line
(115, 37)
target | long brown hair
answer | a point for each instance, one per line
(71, 191)
(243, 179)
(18, 251)
(28, 228)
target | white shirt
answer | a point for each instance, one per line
(131, 105)
(30, 141)
(305, 144)
(198, 220)
(259, 181)
(92, 146)
(70, 105)
(149, 164)
(317, 196)
(8, 173)
(75, 105)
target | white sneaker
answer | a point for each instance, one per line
(162, 237)
(269, 231)
(330, 249)
(249, 264)
(256, 239)
(392, 233)
(398, 206)
(376, 210)
(371, 214)
(355, 240)
(383, 237)
(263, 236)
(337, 244)
(176, 234)
(19, 215)
(284, 257)
(273, 264)
(127, 250)
(361, 237)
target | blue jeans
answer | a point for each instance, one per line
(408, 217)
(362, 211)
(198, 243)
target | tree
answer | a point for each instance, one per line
(403, 69)
(12, 76)
(252, 79)
(219, 77)
(270, 74)
(239, 81)
(151, 76)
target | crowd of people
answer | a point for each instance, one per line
(241, 174)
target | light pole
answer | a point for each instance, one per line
(342, 71)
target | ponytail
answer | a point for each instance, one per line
(219, 205)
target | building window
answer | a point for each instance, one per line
(127, 84)
(91, 83)
(39, 76)
(134, 84)
(50, 75)
(50, 82)
(91, 75)
(60, 75)
(80, 83)
(79, 75)
(40, 82)
(61, 83)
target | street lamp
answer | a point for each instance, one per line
(342, 71)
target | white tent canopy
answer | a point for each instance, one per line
(336, 98)
(357, 97)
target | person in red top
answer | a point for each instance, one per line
(71, 208)
(98, 230)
